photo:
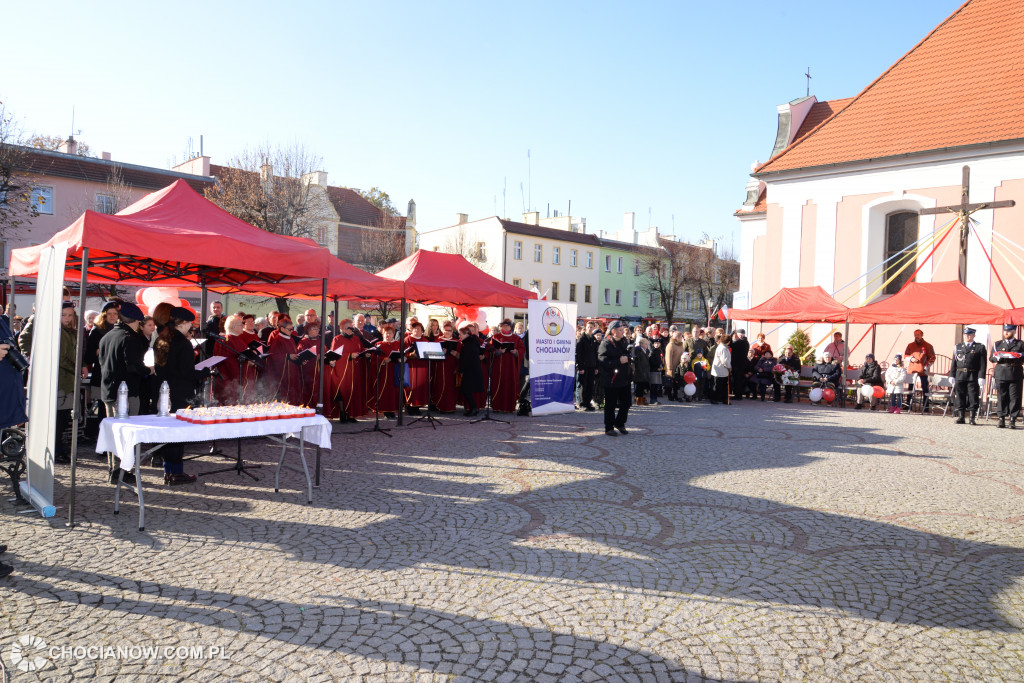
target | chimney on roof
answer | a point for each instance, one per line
(105, 156)
(267, 175)
(410, 215)
(69, 146)
(461, 218)
(315, 178)
(628, 220)
(199, 165)
(531, 217)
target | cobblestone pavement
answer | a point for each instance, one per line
(735, 543)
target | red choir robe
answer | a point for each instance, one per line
(283, 375)
(505, 369)
(251, 375)
(347, 379)
(443, 391)
(385, 390)
(418, 392)
(227, 385)
(309, 372)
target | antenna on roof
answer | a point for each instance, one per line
(504, 190)
(72, 136)
(673, 225)
(808, 74)
(523, 195)
(529, 178)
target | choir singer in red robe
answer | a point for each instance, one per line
(385, 391)
(418, 393)
(507, 351)
(283, 380)
(347, 378)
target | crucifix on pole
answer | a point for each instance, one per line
(963, 211)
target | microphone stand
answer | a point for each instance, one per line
(376, 412)
(431, 420)
(487, 399)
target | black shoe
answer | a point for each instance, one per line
(5, 569)
(1013, 423)
(179, 479)
(62, 458)
(390, 416)
(467, 413)
(961, 420)
(127, 480)
(412, 410)
(590, 409)
(351, 419)
(622, 430)
(858, 406)
(474, 413)
(1002, 423)
(972, 419)
(3, 549)
(610, 432)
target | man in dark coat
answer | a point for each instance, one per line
(121, 353)
(616, 377)
(1008, 355)
(871, 376)
(586, 365)
(470, 352)
(968, 367)
(12, 411)
(740, 350)
(214, 326)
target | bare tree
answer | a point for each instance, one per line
(466, 245)
(270, 189)
(17, 206)
(714, 279)
(383, 244)
(53, 143)
(666, 273)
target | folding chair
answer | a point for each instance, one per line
(941, 392)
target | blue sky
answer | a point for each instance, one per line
(656, 107)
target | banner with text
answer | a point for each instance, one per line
(552, 356)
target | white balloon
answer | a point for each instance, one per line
(815, 394)
(689, 390)
(153, 296)
(867, 391)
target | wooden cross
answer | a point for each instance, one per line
(963, 211)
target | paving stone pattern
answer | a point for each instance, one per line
(751, 542)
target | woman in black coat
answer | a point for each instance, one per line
(175, 364)
(470, 351)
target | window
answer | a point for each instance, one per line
(607, 264)
(517, 282)
(689, 301)
(517, 250)
(586, 294)
(556, 255)
(618, 265)
(437, 248)
(618, 297)
(481, 251)
(590, 259)
(900, 233)
(636, 266)
(572, 292)
(538, 253)
(650, 299)
(572, 258)
(607, 296)
(3, 254)
(321, 234)
(636, 298)
(105, 203)
(42, 199)
(554, 291)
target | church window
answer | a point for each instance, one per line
(900, 233)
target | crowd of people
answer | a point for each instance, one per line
(721, 367)
(272, 357)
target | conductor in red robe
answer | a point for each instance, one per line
(347, 385)
(443, 392)
(385, 388)
(507, 351)
(283, 380)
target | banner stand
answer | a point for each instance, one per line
(552, 357)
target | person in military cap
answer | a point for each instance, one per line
(616, 376)
(968, 366)
(1008, 356)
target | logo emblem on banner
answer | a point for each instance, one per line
(552, 321)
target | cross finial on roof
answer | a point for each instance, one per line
(808, 74)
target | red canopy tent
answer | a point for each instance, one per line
(795, 305)
(1015, 316)
(923, 303)
(431, 277)
(177, 238)
(343, 281)
(174, 237)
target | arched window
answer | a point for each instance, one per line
(900, 233)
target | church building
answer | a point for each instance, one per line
(843, 200)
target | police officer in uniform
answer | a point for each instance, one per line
(1008, 375)
(613, 357)
(968, 366)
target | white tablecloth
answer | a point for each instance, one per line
(120, 436)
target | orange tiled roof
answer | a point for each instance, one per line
(963, 84)
(819, 113)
